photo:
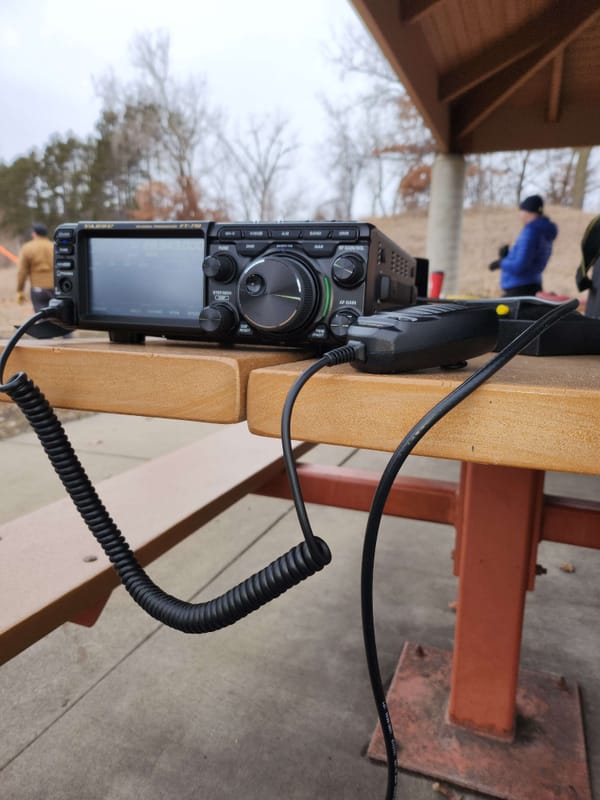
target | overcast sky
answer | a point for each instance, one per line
(259, 57)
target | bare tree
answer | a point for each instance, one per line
(581, 177)
(256, 163)
(348, 151)
(168, 121)
(382, 130)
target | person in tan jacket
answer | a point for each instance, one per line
(36, 265)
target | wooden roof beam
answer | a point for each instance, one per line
(409, 55)
(556, 79)
(486, 97)
(503, 130)
(414, 10)
(546, 27)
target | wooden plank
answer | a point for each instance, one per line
(487, 95)
(505, 51)
(415, 10)
(508, 128)
(541, 413)
(190, 381)
(554, 90)
(51, 567)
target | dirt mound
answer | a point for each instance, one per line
(484, 230)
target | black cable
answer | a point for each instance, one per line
(380, 498)
(341, 355)
(12, 342)
(294, 566)
(280, 575)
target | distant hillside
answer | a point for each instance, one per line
(484, 230)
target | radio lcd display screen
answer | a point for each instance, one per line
(149, 277)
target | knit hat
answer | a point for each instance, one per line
(40, 229)
(534, 204)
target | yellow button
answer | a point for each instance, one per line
(502, 310)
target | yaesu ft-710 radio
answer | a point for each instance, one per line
(274, 283)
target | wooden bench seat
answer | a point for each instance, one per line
(53, 571)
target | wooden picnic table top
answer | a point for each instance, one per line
(541, 413)
(161, 378)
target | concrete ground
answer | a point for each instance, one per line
(279, 705)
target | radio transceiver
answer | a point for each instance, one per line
(275, 283)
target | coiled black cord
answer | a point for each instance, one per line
(287, 571)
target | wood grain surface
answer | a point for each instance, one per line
(158, 379)
(541, 413)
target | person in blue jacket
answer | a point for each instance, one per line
(522, 265)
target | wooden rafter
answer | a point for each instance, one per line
(414, 10)
(555, 87)
(486, 97)
(549, 26)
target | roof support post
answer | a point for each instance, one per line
(445, 217)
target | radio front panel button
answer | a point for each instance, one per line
(319, 249)
(316, 233)
(251, 248)
(346, 234)
(64, 263)
(256, 233)
(384, 292)
(64, 234)
(230, 233)
(64, 249)
(283, 234)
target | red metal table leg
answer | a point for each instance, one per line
(499, 531)
(454, 714)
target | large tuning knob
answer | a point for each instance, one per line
(278, 292)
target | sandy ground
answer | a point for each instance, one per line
(484, 230)
(12, 314)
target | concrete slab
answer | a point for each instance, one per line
(277, 706)
(106, 444)
(29, 481)
(135, 437)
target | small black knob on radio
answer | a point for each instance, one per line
(341, 321)
(218, 318)
(348, 270)
(220, 267)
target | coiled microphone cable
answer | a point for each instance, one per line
(288, 570)
(299, 563)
